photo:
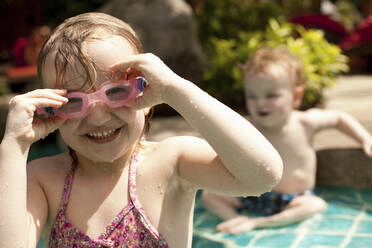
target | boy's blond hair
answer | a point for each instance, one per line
(266, 60)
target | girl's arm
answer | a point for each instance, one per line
(322, 119)
(234, 159)
(23, 206)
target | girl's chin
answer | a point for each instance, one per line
(105, 157)
(100, 159)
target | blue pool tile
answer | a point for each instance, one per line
(240, 240)
(366, 195)
(327, 229)
(351, 210)
(342, 192)
(364, 227)
(209, 221)
(321, 240)
(41, 244)
(275, 240)
(334, 224)
(369, 213)
(360, 242)
(202, 243)
(243, 239)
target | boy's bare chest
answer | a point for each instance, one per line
(293, 143)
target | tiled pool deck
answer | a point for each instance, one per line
(347, 223)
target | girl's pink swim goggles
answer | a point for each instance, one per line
(115, 95)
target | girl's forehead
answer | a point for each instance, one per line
(105, 52)
(74, 76)
(101, 52)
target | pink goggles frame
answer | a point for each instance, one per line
(114, 95)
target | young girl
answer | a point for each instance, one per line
(113, 189)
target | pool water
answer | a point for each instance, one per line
(347, 223)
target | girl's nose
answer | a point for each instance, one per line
(98, 114)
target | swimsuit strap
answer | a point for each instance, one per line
(134, 198)
(67, 186)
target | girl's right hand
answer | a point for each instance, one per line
(21, 124)
(159, 76)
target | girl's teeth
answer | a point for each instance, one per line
(104, 134)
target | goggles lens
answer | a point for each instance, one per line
(118, 93)
(74, 104)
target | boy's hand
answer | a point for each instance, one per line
(367, 147)
(21, 124)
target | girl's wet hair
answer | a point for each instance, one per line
(263, 60)
(65, 44)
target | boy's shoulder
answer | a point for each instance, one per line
(317, 119)
(309, 114)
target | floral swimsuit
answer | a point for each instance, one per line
(130, 228)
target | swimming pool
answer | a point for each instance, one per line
(347, 223)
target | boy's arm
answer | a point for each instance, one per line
(322, 119)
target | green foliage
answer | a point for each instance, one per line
(346, 12)
(220, 24)
(322, 60)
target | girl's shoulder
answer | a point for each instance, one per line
(50, 168)
(170, 149)
(171, 144)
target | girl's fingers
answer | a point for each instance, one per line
(50, 125)
(48, 93)
(39, 98)
(45, 102)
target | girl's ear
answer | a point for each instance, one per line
(297, 96)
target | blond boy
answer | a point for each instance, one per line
(273, 80)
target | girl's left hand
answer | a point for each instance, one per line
(159, 76)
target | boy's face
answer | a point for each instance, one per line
(268, 100)
(103, 133)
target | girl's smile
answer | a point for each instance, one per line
(106, 136)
